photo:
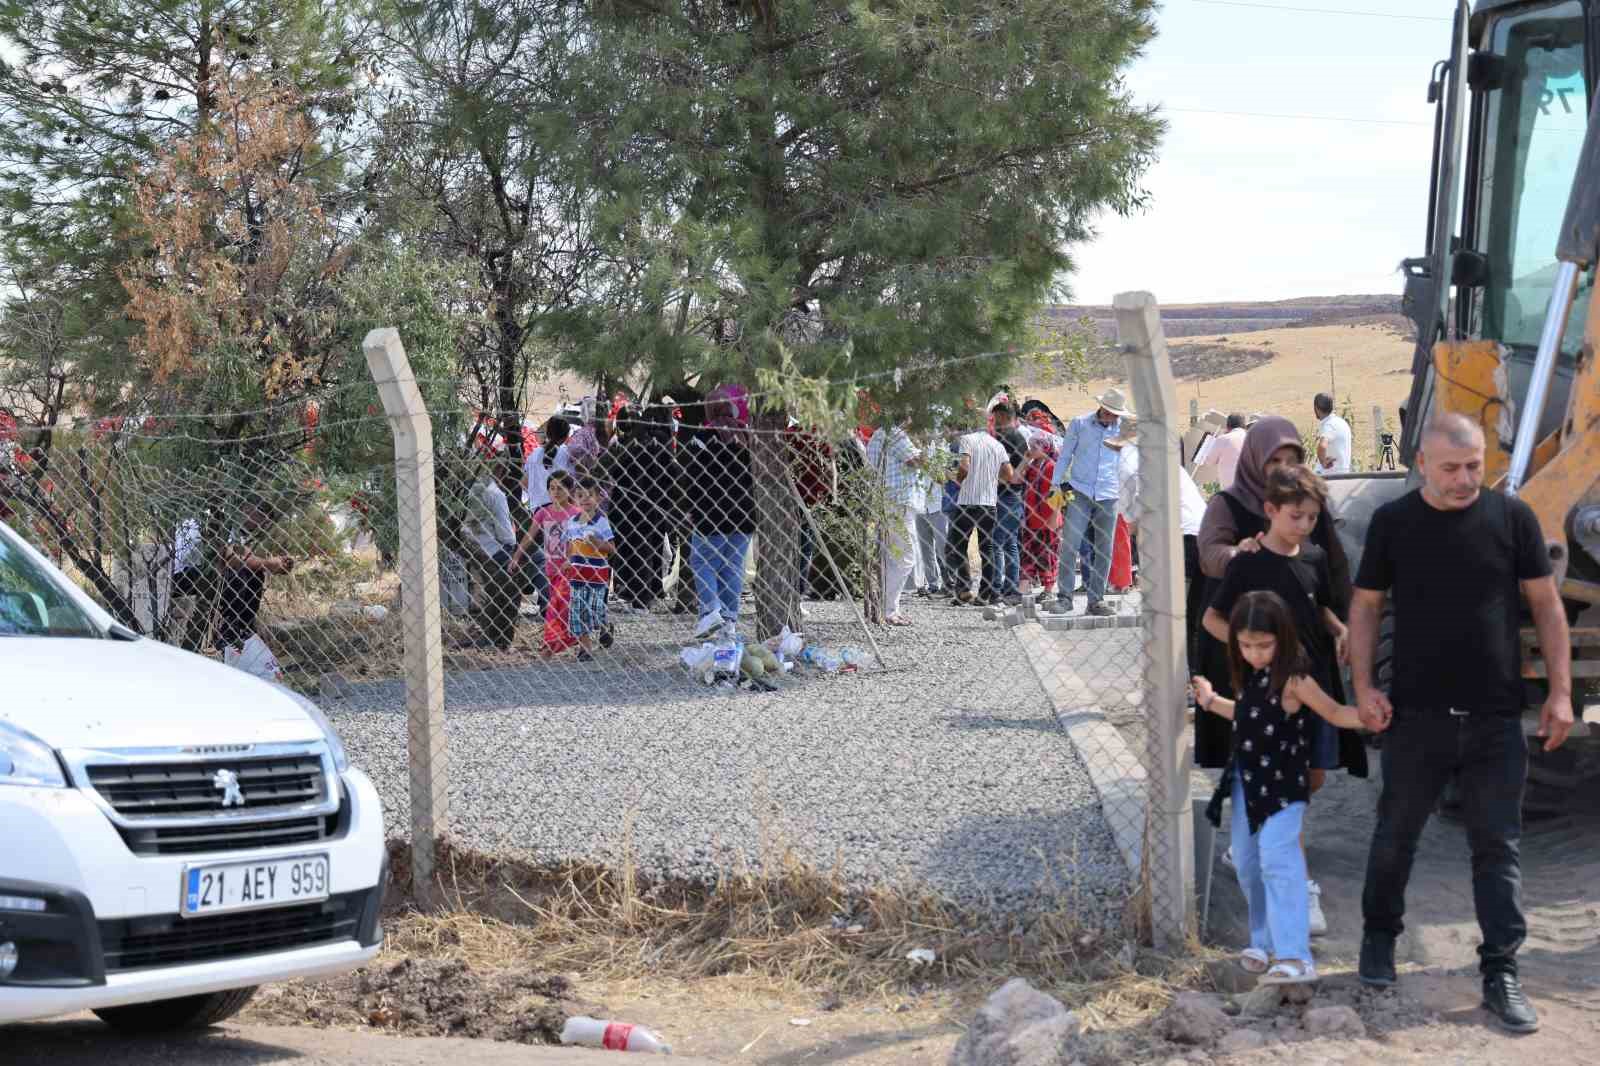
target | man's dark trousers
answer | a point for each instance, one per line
(1488, 756)
(964, 521)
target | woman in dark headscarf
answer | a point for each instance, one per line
(1233, 520)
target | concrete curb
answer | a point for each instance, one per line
(1117, 770)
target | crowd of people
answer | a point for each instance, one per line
(1050, 505)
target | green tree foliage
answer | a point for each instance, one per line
(470, 165)
(826, 189)
(837, 187)
(92, 92)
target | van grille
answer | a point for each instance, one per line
(230, 835)
(188, 789)
(138, 943)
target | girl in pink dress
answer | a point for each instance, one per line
(552, 520)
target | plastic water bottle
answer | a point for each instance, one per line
(853, 657)
(613, 1036)
(725, 660)
(822, 659)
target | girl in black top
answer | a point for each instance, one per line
(1268, 779)
(1234, 521)
(1288, 563)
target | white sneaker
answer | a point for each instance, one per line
(708, 624)
(1319, 921)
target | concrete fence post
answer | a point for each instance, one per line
(1170, 856)
(1377, 436)
(419, 603)
(1194, 413)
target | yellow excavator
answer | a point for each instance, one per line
(1506, 328)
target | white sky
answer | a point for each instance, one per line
(1255, 208)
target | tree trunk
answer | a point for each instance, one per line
(778, 521)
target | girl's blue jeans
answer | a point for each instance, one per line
(1272, 873)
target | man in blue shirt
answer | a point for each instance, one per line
(1088, 467)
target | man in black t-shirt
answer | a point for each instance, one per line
(1457, 563)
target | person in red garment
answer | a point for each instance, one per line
(549, 522)
(1041, 527)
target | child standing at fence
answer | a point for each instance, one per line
(589, 546)
(1268, 779)
(549, 526)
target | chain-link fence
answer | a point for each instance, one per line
(692, 635)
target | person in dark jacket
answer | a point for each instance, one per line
(718, 493)
(638, 469)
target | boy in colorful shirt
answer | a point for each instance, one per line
(590, 544)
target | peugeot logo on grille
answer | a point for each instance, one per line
(227, 783)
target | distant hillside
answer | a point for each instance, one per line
(1217, 319)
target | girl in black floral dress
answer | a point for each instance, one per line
(1268, 778)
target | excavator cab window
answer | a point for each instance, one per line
(1532, 135)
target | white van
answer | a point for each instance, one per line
(173, 832)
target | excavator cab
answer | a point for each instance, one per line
(1502, 302)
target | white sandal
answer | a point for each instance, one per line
(1291, 972)
(1254, 961)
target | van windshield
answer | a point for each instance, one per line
(32, 601)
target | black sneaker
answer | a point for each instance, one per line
(585, 657)
(1503, 998)
(1377, 961)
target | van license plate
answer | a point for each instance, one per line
(242, 886)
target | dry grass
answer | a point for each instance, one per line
(780, 924)
(781, 920)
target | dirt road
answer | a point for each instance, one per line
(88, 1043)
(1560, 962)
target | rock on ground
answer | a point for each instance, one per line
(1018, 1026)
(1240, 1041)
(1193, 1018)
(1334, 1021)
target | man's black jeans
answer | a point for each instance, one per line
(963, 522)
(1488, 755)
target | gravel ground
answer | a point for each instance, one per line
(946, 771)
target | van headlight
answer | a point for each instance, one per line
(27, 760)
(341, 761)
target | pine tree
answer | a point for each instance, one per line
(469, 165)
(832, 188)
(94, 92)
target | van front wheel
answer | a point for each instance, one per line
(187, 1012)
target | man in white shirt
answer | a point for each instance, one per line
(1223, 451)
(489, 528)
(982, 466)
(894, 458)
(489, 520)
(932, 528)
(1333, 438)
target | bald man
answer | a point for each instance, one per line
(1456, 562)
